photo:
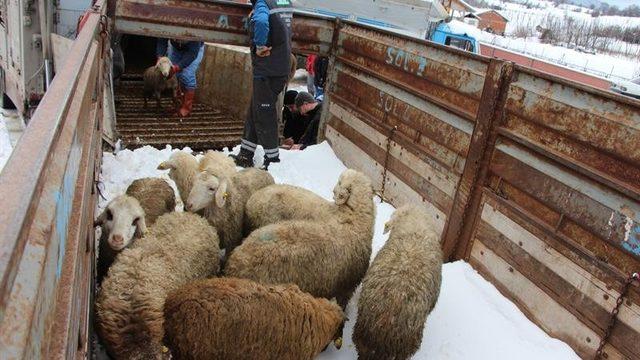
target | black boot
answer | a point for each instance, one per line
(268, 161)
(243, 159)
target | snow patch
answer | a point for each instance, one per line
(5, 143)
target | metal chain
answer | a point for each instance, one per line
(614, 315)
(386, 163)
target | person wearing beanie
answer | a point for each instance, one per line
(270, 44)
(311, 109)
(294, 123)
(186, 57)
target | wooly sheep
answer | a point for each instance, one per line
(281, 202)
(326, 258)
(156, 80)
(223, 200)
(183, 169)
(230, 319)
(400, 289)
(127, 216)
(217, 163)
(179, 248)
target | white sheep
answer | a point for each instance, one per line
(400, 288)
(217, 163)
(280, 202)
(223, 200)
(127, 217)
(183, 168)
(179, 248)
(327, 257)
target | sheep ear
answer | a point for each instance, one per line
(101, 218)
(141, 227)
(166, 165)
(221, 194)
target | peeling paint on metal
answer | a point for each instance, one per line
(632, 237)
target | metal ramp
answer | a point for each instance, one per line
(206, 128)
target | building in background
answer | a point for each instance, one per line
(491, 21)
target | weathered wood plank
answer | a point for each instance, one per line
(588, 298)
(536, 304)
(408, 175)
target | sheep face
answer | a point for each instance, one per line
(342, 190)
(206, 189)
(123, 219)
(164, 65)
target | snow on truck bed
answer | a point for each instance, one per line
(471, 320)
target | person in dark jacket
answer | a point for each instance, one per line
(294, 123)
(186, 57)
(310, 108)
(270, 36)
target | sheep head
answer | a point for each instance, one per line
(164, 66)
(406, 215)
(122, 219)
(350, 181)
(206, 189)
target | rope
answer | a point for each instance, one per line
(600, 354)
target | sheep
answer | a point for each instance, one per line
(400, 289)
(226, 318)
(127, 216)
(326, 258)
(279, 202)
(223, 200)
(156, 80)
(183, 169)
(179, 248)
(217, 163)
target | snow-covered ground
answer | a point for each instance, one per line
(521, 16)
(471, 320)
(5, 143)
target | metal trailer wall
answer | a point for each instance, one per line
(534, 180)
(46, 219)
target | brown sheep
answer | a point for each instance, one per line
(126, 217)
(156, 80)
(326, 258)
(227, 318)
(180, 247)
(400, 289)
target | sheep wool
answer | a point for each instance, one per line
(183, 168)
(281, 202)
(180, 247)
(217, 163)
(155, 195)
(400, 289)
(326, 258)
(223, 200)
(156, 81)
(227, 318)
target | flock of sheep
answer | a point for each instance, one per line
(291, 262)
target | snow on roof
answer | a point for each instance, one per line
(484, 11)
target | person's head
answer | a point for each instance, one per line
(305, 102)
(290, 100)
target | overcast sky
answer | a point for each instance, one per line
(622, 3)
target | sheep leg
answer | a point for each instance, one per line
(158, 105)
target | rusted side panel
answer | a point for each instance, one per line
(47, 210)
(213, 21)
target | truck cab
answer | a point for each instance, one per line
(445, 35)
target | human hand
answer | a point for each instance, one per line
(174, 70)
(263, 51)
(288, 141)
(296, 147)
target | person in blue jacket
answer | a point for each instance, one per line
(270, 36)
(186, 57)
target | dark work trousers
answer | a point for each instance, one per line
(261, 125)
